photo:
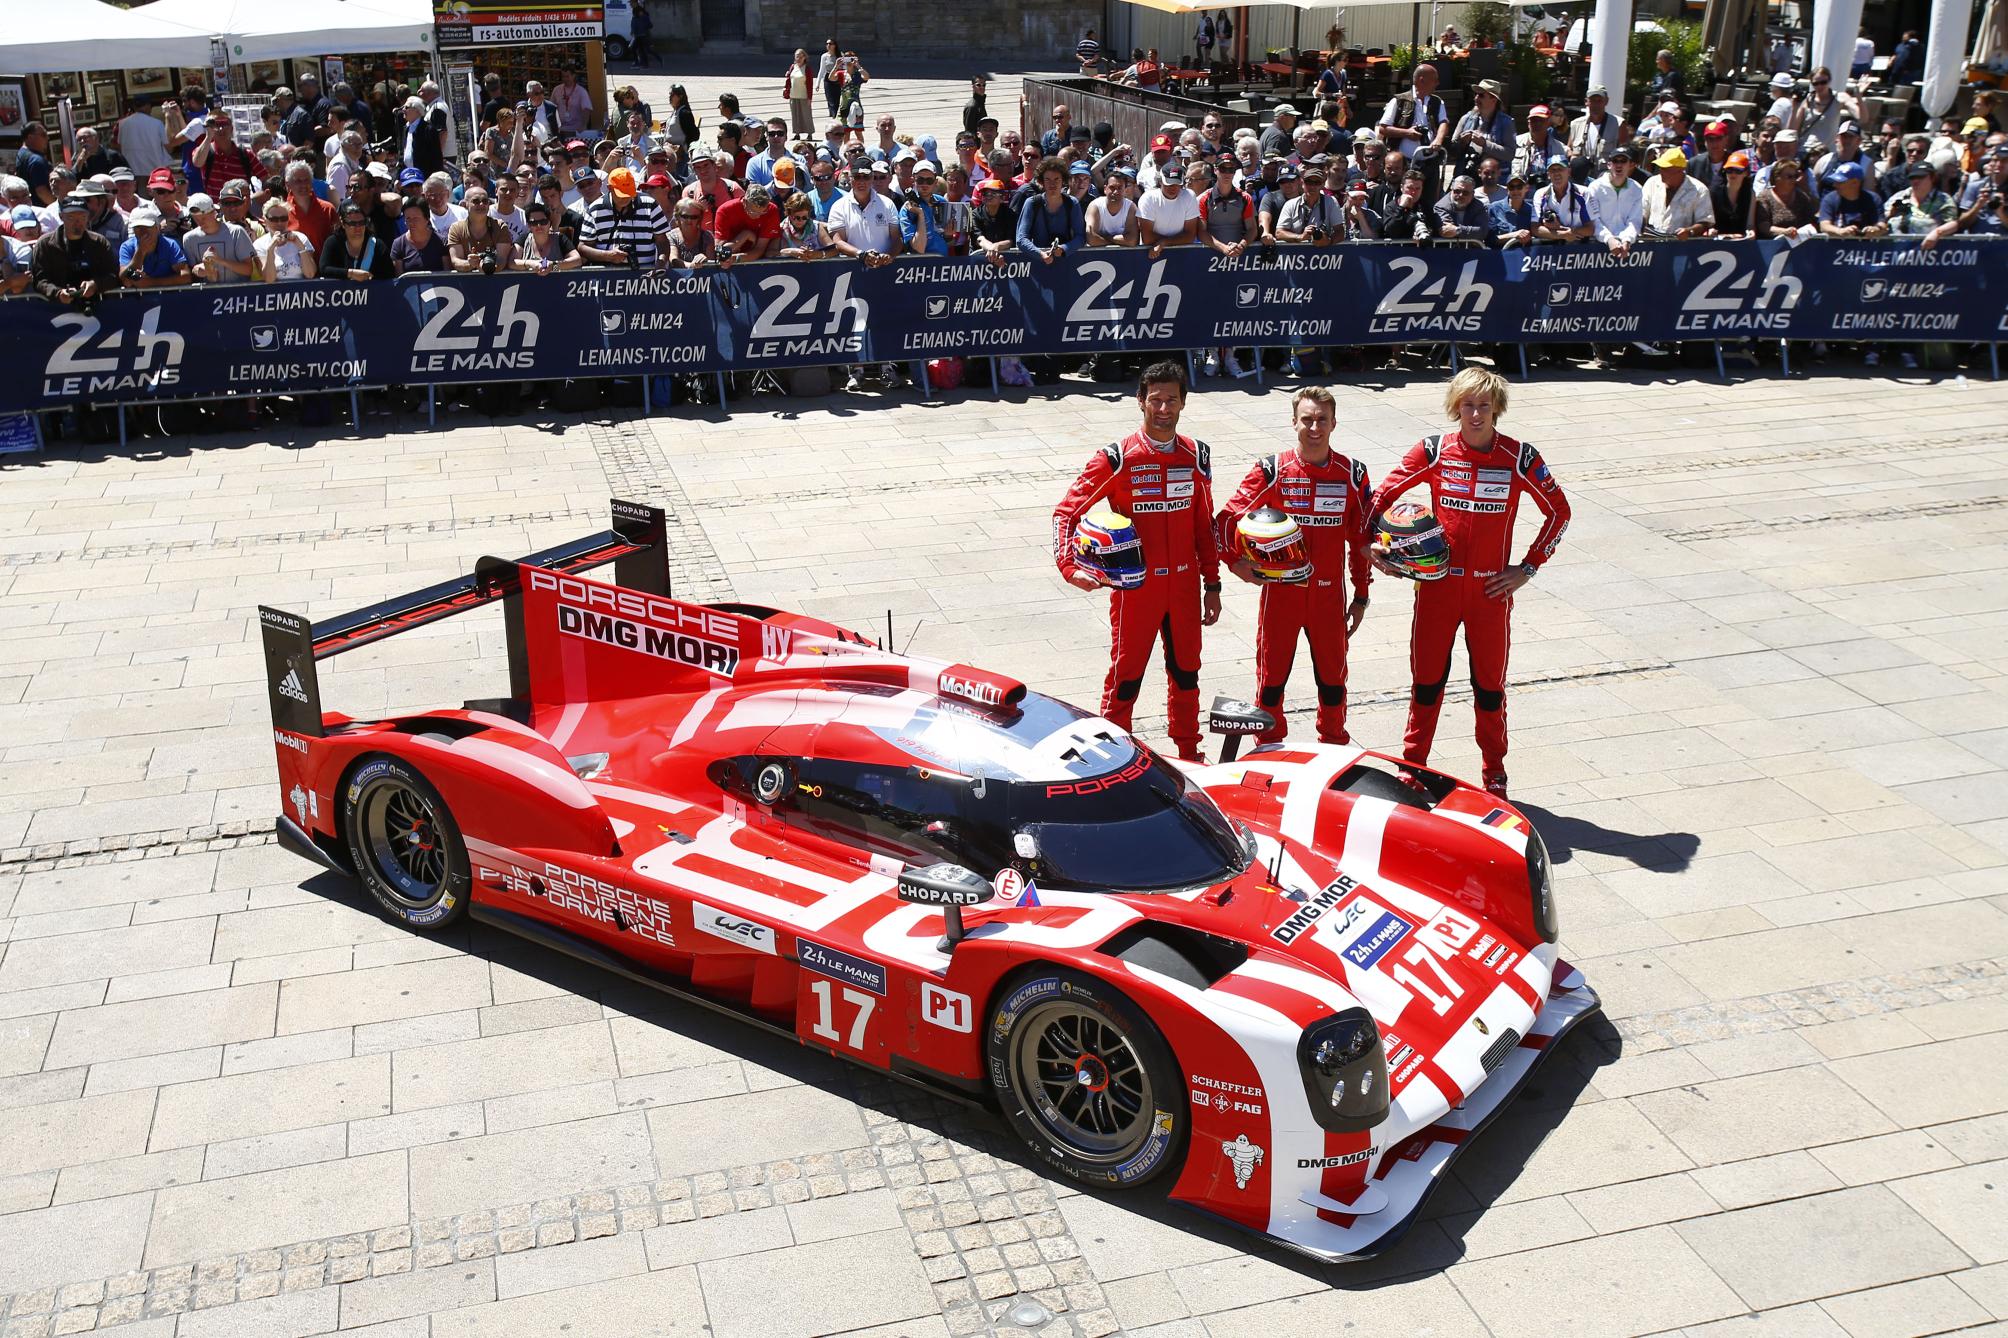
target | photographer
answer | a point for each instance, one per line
(1313, 216)
(149, 259)
(1459, 216)
(477, 242)
(1924, 210)
(353, 252)
(71, 264)
(625, 227)
(546, 248)
(691, 245)
(993, 228)
(1408, 218)
(749, 225)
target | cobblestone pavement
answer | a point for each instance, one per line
(1759, 712)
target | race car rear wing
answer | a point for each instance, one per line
(637, 545)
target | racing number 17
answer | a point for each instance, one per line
(824, 1025)
(1418, 956)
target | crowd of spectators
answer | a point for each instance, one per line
(344, 188)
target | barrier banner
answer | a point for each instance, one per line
(442, 329)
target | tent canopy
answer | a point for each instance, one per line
(53, 36)
(261, 30)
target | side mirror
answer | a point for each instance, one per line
(1234, 720)
(946, 885)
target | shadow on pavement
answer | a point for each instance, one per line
(1665, 852)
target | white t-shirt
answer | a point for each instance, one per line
(1166, 217)
(289, 254)
(1111, 220)
(872, 226)
(143, 141)
(443, 223)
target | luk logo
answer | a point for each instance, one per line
(1420, 304)
(1726, 301)
(792, 324)
(1107, 309)
(456, 338)
(84, 363)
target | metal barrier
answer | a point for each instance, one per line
(1136, 113)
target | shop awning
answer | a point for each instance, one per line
(54, 36)
(262, 30)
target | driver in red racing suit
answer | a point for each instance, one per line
(1329, 497)
(1163, 483)
(1476, 477)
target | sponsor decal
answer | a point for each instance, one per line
(1332, 1163)
(1499, 817)
(1366, 933)
(1220, 1094)
(1493, 958)
(594, 898)
(946, 1008)
(1476, 508)
(1096, 784)
(284, 621)
(714, 656)
(289, 686)
(733, 928)
(285, 740)
(972, 690)
(1153, 1151)
(841, 966)
(298, 795)
(1014, 888)
(1311, 911)
(1244, 1157)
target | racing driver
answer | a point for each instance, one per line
(1163, 483)
(1329, 498)
(1476, 476)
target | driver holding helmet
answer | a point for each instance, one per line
(1161, 485)
(1328, 497)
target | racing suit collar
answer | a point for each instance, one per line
(1165, 447)
(1469, 445)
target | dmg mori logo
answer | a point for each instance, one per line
(460, 338)
(93, 361)
(1420, 303)
(1731, 297)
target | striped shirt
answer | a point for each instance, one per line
(633, 230)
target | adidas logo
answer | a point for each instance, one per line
(289, 686)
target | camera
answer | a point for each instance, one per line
(724, 251)
(1268, 253)
(488, 264)
(1320, 233)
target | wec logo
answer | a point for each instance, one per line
(85, 363)
(1726, 301)
(1419, 305)
(457, 339)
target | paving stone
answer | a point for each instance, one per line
(494, 1066)
(72, 1241)
(160, 1026)
(67, 1133)
(495, 1169)
(819, 1288)
(1936, 1083)
(570, 1265)
(378, 1300)
(1968, 1203)
(300, 1203)
(1762, 1113)
(1804, 1249)
(272, 1101)
(663, 1304)
(1906, 1310)
(381, 994)
(783, 1123)
(293, 1315)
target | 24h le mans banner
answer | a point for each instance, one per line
(441, 329)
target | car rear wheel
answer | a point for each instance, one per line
(1085, 1078)
(617, 49)
(404, 844)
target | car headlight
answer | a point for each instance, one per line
(1345, 1072)
(1541, 886)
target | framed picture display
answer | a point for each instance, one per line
(265, 75)
(13, 110)
(149, 81)
(65, 85)
(106, 99)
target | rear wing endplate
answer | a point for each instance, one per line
(637, 545)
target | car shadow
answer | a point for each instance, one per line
(701, 1043)
(1666, 852)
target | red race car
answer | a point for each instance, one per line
(1290, 985)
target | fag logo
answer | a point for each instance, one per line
(289, 686)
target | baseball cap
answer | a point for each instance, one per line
(146, 216)
(1287, 174)
(25, 215)
(1172, 174)
(1160, 142)
(1671, 158)
(1324, 127)
(1174, 126)
(72, 205)
(282, 92)
(1786, 136)
(1542, 110)
(1781, 80)
(1850, 128)
(1080, 170)
(1518, 180)
(881, 168)
(1285, 109)
(1737, 159)
(584, 174)
(966, 140)
(1669, 108)
(1975, 125)
(1126, 173)
(1716, 128)
(122, 174)
(1921, 170)
(381, 171)
(160, 179)
(656, 181)
(411, 176)
(1078, 132)
(1846, 172)
(988, 183)
(1623, 152)
(1999, 151)
(577, 146)
(1598, 91)
(199, 203)
(621, 182)
(659, 151)
(90, 190)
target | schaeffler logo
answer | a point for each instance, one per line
(1418, 304)
(90, 361)
(1726, 301)
(1107, 310)
(456, 338)
(791, 325)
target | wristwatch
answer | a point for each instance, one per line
(1529, 570)
(1211, 589)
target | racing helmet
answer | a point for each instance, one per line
(1271, 543)
(1416, 545)
(1106, 546)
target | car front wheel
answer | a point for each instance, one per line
(1085, 1078)
(404, 844)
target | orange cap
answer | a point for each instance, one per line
(621, 182)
